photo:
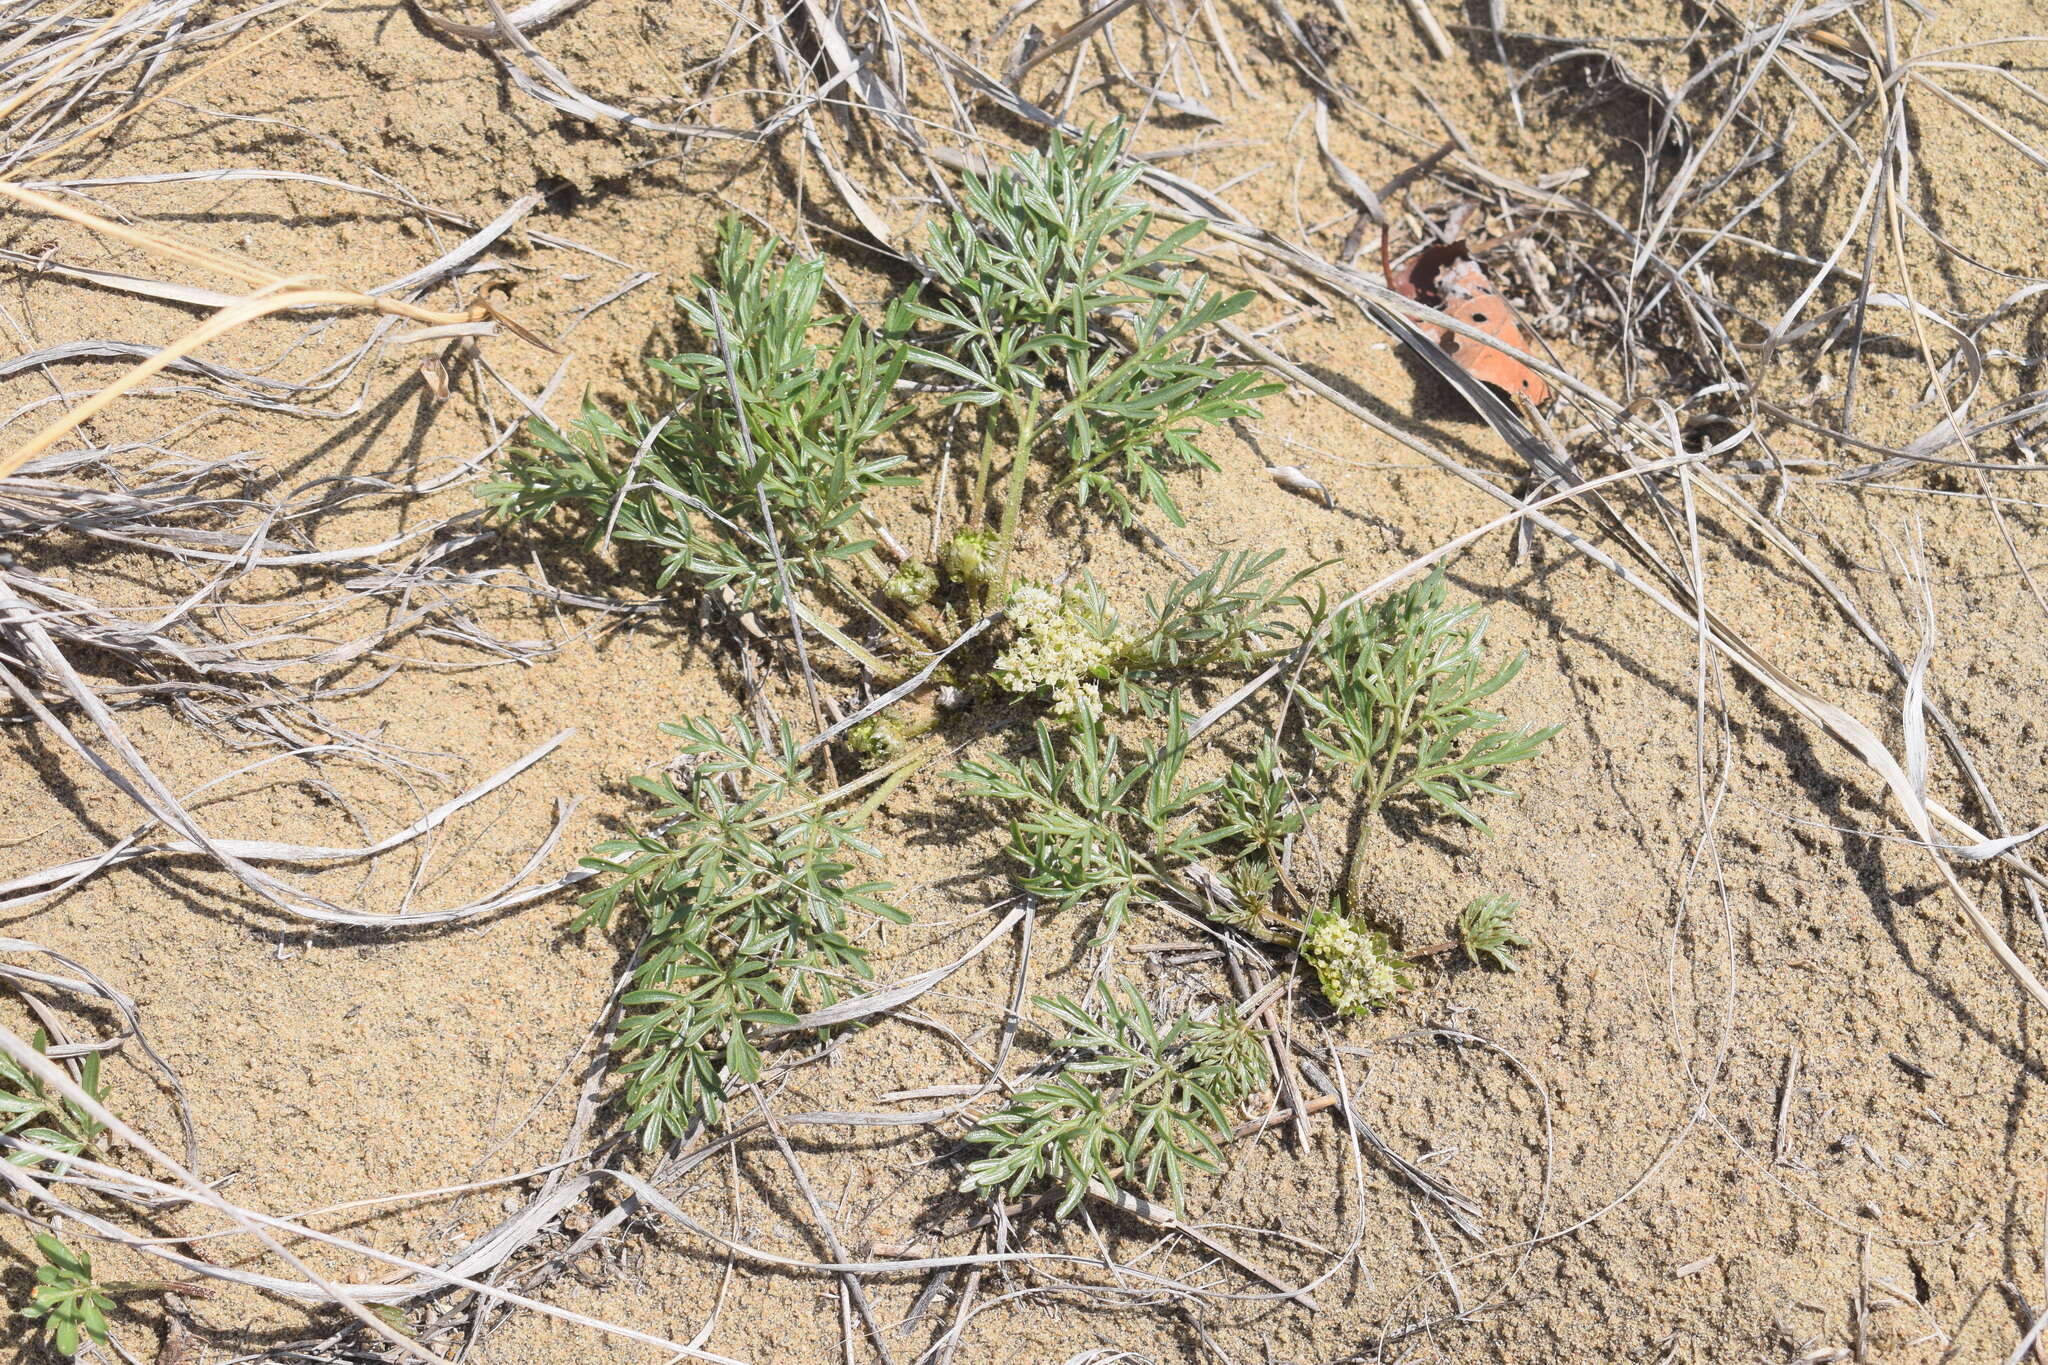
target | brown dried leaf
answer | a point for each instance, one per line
(1448, 279)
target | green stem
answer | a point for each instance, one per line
(1013, 500)
(888, 775)
(906, 768)
(864, 657)
(1355, 865)
(978, 507)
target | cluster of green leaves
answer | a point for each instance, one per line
(1059, 309)
(1486, 928)
(1133, 1102)
(1231, 616)
(1397, 707)
(746, 886)
(1092, 823)
(1263, 809)
(1394, 710)
(786, 438)
(72, 1308)
(31, 1112)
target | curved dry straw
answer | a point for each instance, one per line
(274, 293)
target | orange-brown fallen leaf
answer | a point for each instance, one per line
(1447, 279)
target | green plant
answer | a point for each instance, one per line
(1131, 1102)
(1075, 332)
(1486, 929)
(1068, 644)
(71, 1307)
(1234, 614)
(1397, 710)
(1356, 968)
(774, 453)
(30, 1112)
(1257, 802)
(745, 884)
(1090, 824)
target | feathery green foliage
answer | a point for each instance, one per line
(1092, 824)
(1230, 614)
(1229, 617)
(1133, 1101)
(745, 886)
(1486, 928)
(1398, 707)
(795, 438)
(71, 1307)
(31, 1112)
(1077, 332)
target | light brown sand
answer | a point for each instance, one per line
(1657, 1011)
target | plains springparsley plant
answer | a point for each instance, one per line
(1393, 708)
(1486, 929)
(1074, 329)
(1065, 323)
(795, 442)
(1396, 711)
(746, 889)
(1134, 1102)
(1354, 965)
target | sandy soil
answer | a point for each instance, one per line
(1755, 1093)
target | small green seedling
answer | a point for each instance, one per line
(1134, 1102)
(1486, 929)
(745, 885)
(31, 1112)
(1398, 711)
(71, 1307)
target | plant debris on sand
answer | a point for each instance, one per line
(1151, 680)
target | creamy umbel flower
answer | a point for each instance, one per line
(1357, 971)
(1058, 649)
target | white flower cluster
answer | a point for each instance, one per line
(1357, 971)
(1059, 648)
